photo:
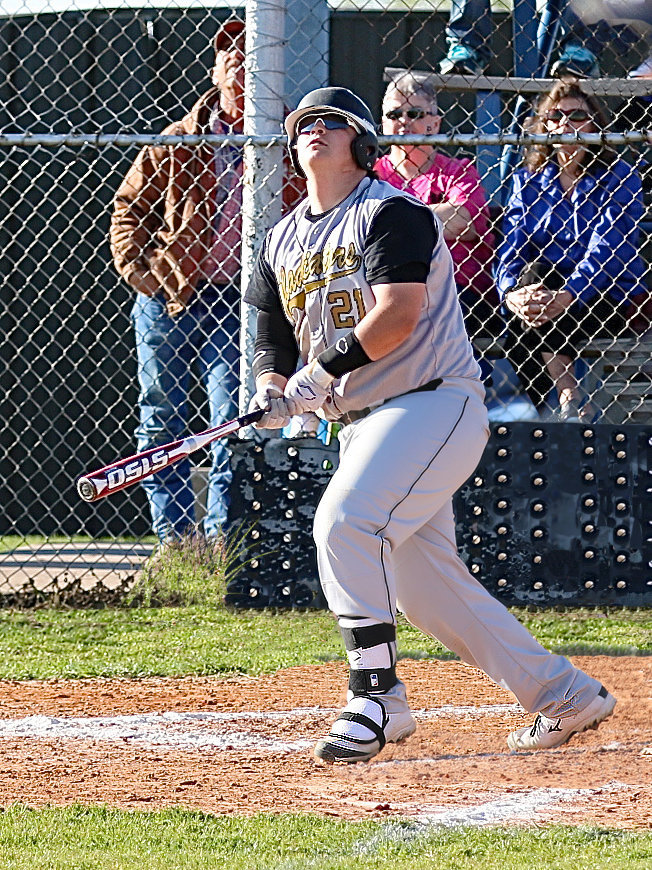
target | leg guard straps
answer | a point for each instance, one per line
(372, 655)
(361, 719)
(368, 636)
(370, 681)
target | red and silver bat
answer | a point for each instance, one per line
(125, 472)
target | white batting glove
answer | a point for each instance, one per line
(307, 389)
(270, 398)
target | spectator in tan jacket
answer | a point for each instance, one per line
(175, 239)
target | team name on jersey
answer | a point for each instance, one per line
(315, 270)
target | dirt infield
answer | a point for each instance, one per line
(244, 745)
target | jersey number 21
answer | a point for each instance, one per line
(341, 304)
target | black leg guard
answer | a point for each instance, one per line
(371, 680)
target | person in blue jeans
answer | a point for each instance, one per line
(176, 235)
(205, 333)
(469, 30)
(175, 239)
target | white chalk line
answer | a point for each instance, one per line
(469, 711)
(523, 807)
(191, 731)
(180, 731)
(519, 806)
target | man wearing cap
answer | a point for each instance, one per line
(175, 239)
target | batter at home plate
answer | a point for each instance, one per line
(357, 284)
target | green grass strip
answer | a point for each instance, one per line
(8, 543)
(177, 641)
(97, 838)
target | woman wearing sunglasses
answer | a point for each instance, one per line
(569, 268)
(452, 188)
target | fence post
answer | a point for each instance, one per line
(263, 164)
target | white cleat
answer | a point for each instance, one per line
(643, 71)
(548, 733)
(362, 729)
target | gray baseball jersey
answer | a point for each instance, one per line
(317, 265)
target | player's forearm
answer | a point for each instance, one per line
(271, 378)
(392, 320)
(275, 349)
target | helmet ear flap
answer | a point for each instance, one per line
(365, 150)
(294, 159)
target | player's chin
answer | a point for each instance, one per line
(314, 151)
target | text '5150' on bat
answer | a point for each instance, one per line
(125, 472)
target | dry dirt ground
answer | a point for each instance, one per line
(243, 745)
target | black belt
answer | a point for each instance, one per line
(352, 416)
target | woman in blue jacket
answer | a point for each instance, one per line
(569, 268)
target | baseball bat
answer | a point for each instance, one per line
(125, 472)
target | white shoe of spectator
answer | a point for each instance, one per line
(643, 71)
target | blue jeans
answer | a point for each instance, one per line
(469, 23)
(206, 334)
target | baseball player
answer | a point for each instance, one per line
(357, 281)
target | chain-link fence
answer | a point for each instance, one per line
(142, 168)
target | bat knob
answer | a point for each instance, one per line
(86, 489)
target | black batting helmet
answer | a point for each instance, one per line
(365, 145)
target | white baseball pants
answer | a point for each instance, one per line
(385, 537)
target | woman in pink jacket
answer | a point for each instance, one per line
(452, 188)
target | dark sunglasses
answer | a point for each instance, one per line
(573, 115)
(412, 114)
(330, 121)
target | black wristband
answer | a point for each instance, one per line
(344, 356)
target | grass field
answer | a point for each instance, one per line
(177, 641)
(103, 839)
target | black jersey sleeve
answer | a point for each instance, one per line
(262, 291)
(275, 349)
(400, 242)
